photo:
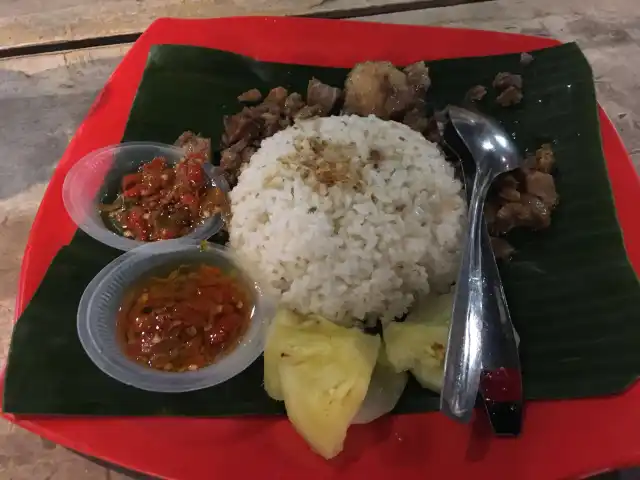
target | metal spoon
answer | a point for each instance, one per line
(501, 371)
(494, 153)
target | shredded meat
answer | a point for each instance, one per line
(524, 198)
(510, 96)
(526, 58)
(380, 89)
(195, 144)
(505, 80)
(322, 95)
(416, 119)
(475, 94)
(250, 96)
(277, 96)
(418, 76)
(244, 131)
(542, 186)
(544, 158)
(510, 87)
(293, 104)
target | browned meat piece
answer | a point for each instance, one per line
(542, 186)
(231, 158)
(501, 248)
(323, 95)
(539, 215)
(545, 158)
(378, 88)
(416, 119)
(277, 96)
(475, 94)
(526, 58)
(240, 125)
(293, 104)
(511, 96)
(271, 124)
(193, 143)
(398, 102)
(418, 76)
(505, 80)
(285, 122)
(247, 153)
(511, 215)
(510, 194)
(507, 181)
(250, 96)
(308, 111)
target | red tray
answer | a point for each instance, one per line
(560, 440)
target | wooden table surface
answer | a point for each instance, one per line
(24, 22)
(44, 97)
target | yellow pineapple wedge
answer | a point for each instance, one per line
(419, 343)
(322, 372)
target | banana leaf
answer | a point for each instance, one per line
(573, 295)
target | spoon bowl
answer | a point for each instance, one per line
(489, 144)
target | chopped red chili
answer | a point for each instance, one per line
(161, 201)
(185, 321)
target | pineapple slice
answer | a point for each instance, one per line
(419, 343)
(322, 372)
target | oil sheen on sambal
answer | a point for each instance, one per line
(186, 320)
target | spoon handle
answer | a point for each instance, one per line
(501, 378)
(463, 362)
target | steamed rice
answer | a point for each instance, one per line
(348, 217)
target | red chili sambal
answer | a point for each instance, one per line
(162, 201)
(184, 321)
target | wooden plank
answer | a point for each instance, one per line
(28, 22)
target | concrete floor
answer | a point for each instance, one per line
(43, 99)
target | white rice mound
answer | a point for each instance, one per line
(349, 251)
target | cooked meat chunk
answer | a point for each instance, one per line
(510, 215)
(416, 119)
(293, 104)
(250, 96)
(418, 76)
(501, 248)
(277, 96)
(511, 96)
(510, 194)
(231, 158)
(323, 95)
(505, 80)
(240, 125)
(475, 94)
(526, 58)
(193, 143)
(539, 214)
(378, 88)
(545, 158)
(271, 124)
(542, 186)
(308, 111)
